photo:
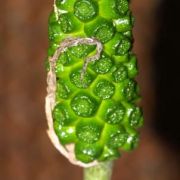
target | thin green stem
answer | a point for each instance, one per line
(102, 171)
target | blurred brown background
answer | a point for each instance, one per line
(26, 152)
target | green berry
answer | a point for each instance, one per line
(85, 10)
(123, 47)
(116, 136)
(62, 115)
(62, 90)
(115, 114)
(120, 74)
(84, 105)
(123, 24)
(104, 89)
(129, 90)
(67, 23)
(65, 134)
(100, 28)
(87, 152)
(81, 51)
(122, 6)
(135, 118)
(103, 65)
(88, 131)
(75, 78)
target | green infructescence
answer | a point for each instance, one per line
(95, 109)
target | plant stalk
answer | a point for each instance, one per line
(102, 171)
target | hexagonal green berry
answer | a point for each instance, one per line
(114, 113)
(103, 65)
(123, 47)
(100, 28)
(123, 24)
(129, 91)
(87, 152)
(104, 89)
(122, 6)
(135, 118)
(62, 115)
(104, 33)
(85, 10)
(75, 78)
(54, 32)
(68, 23)
(107, 9)
(117, 140)
(115, 136)
(66, 135)
(81, 51)
(62, 90)
(120, 74)
(84, 105)
(88, 131)
(111, 46)
(65, 59)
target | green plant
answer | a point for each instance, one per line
(92, 94)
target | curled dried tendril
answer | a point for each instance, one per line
(70, 42)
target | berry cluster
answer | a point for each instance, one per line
(97, 113)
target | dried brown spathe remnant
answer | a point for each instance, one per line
(68, 150)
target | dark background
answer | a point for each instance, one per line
(26, 152)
